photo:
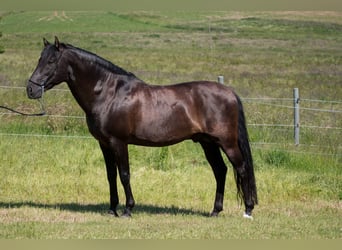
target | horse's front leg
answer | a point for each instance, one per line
(121, 157)
(109, 157)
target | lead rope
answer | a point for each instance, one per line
(42, 108)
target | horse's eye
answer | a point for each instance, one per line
(51, 60)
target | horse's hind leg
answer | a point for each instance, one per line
(214, 157)
(241, 177)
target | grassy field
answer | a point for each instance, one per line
(53, 182)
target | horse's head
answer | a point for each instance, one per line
(48, 72)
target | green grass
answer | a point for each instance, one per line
(56, 187)
(63, 194)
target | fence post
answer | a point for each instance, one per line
(220, 79)
(296, 115)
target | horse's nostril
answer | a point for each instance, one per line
(29, 91)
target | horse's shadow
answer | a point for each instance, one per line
(102, 208)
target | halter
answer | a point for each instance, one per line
(41, 86)
(40, 100)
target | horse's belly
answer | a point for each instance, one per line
(162, 134)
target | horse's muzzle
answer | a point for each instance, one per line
(34, 90)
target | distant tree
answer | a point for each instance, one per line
(2, 50)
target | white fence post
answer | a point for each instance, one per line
(220, 79)
(296, 115)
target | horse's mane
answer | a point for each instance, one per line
(99, 61)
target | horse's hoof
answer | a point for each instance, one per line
(126, 214)
(248, 216)
(113, 213)
(214, 214)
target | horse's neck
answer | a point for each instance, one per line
(84, 83)
(90, 80)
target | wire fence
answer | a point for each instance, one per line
(279, 103)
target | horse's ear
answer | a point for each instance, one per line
(56, 42)
(46, 42)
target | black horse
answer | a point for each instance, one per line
(121, 109)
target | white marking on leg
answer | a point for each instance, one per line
(247, 216)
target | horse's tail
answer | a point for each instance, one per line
(246, 188)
